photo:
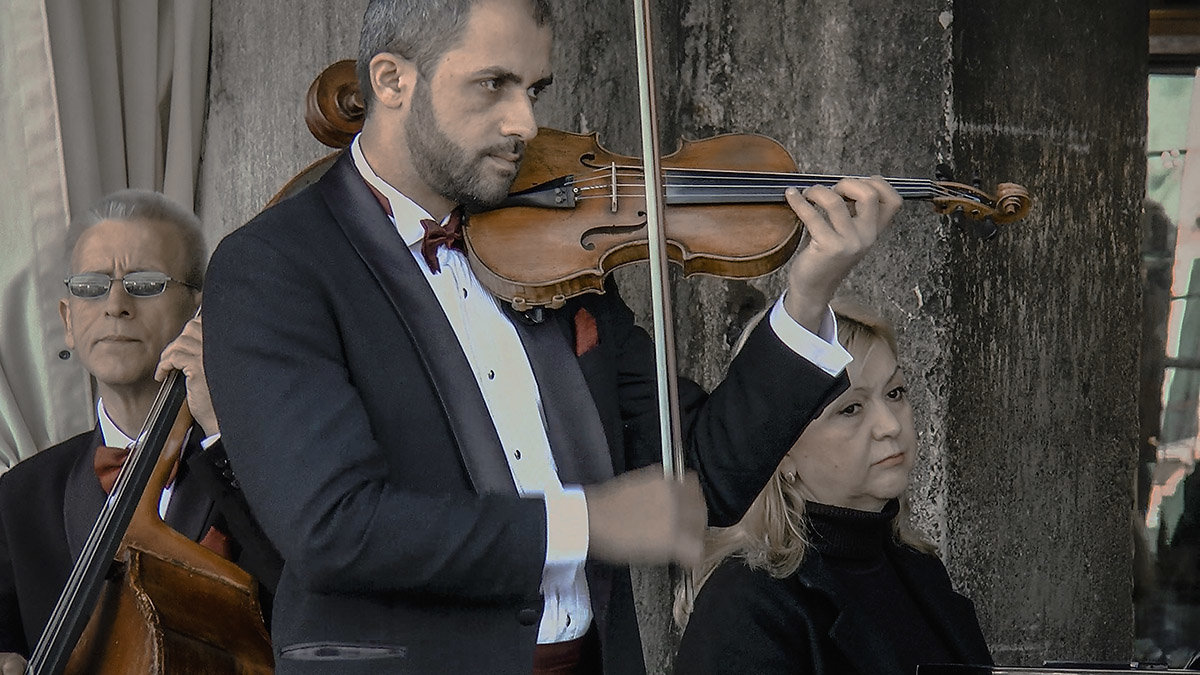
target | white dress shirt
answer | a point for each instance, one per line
(505, 377)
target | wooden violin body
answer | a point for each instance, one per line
(171, 606)
(568, 251)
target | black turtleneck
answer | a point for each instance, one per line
(854, 547)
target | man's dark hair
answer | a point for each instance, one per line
(418, 30)
(134, 205)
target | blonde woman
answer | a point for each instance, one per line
(824, 573)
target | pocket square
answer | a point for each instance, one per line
(587, 335)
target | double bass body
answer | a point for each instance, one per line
(170, 605)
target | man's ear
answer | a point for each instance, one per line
(392, 79)
(64, 311)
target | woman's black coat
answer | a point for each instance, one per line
(746, 621)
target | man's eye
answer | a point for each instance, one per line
(491, 85)
(898, 393)
(534, 93)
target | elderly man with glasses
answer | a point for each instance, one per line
(130, 315)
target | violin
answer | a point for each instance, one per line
(578, 211)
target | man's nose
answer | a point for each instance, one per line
(117, 302)
(519, 119)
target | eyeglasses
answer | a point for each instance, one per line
(137, 284)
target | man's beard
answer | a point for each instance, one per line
(451, 170)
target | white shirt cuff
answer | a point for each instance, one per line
(822, 350)
(209, 440)
(566, 526)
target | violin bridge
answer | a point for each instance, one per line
(612, 181)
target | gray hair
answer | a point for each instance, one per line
(418, 30)
(130, 205)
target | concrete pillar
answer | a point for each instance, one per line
(1021, 351)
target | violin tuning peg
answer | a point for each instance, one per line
(958, 218)
(984, 229)
(943, 172)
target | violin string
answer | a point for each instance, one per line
(773, 195)
(912, 188)
(719, 174)
(600, 179)
(783, 180)
(606, 189)
(738, 182)
(775, 191)
(72, 588)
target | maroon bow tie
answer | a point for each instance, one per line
(435, 234)
(448, 235)
(108, 462)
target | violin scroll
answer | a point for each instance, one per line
(1013, 202)
(1010, 203)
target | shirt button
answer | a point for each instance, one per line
(464, 292)
(568, 619)
(491, 374)
(517, 454)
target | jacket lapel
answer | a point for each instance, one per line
(190, 511)
(573, 427)
(418, 311)
(83, 496)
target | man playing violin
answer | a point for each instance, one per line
(456, 487)
(135, 275)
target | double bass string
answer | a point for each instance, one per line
(78, 597)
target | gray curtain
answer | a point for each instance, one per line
(99, 95)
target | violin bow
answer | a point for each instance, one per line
(664, 334)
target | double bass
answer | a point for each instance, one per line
(143, 598)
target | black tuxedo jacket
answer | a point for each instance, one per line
(351, 417)
(746, 621)
(48, 505)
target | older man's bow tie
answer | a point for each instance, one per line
(108, 462)
(448, 235)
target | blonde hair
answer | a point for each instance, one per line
(773, 535)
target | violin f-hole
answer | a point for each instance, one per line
(588, 239)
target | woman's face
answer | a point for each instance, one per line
(859, 452)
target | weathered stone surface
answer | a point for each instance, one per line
(264, 56)
(1041, 422)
